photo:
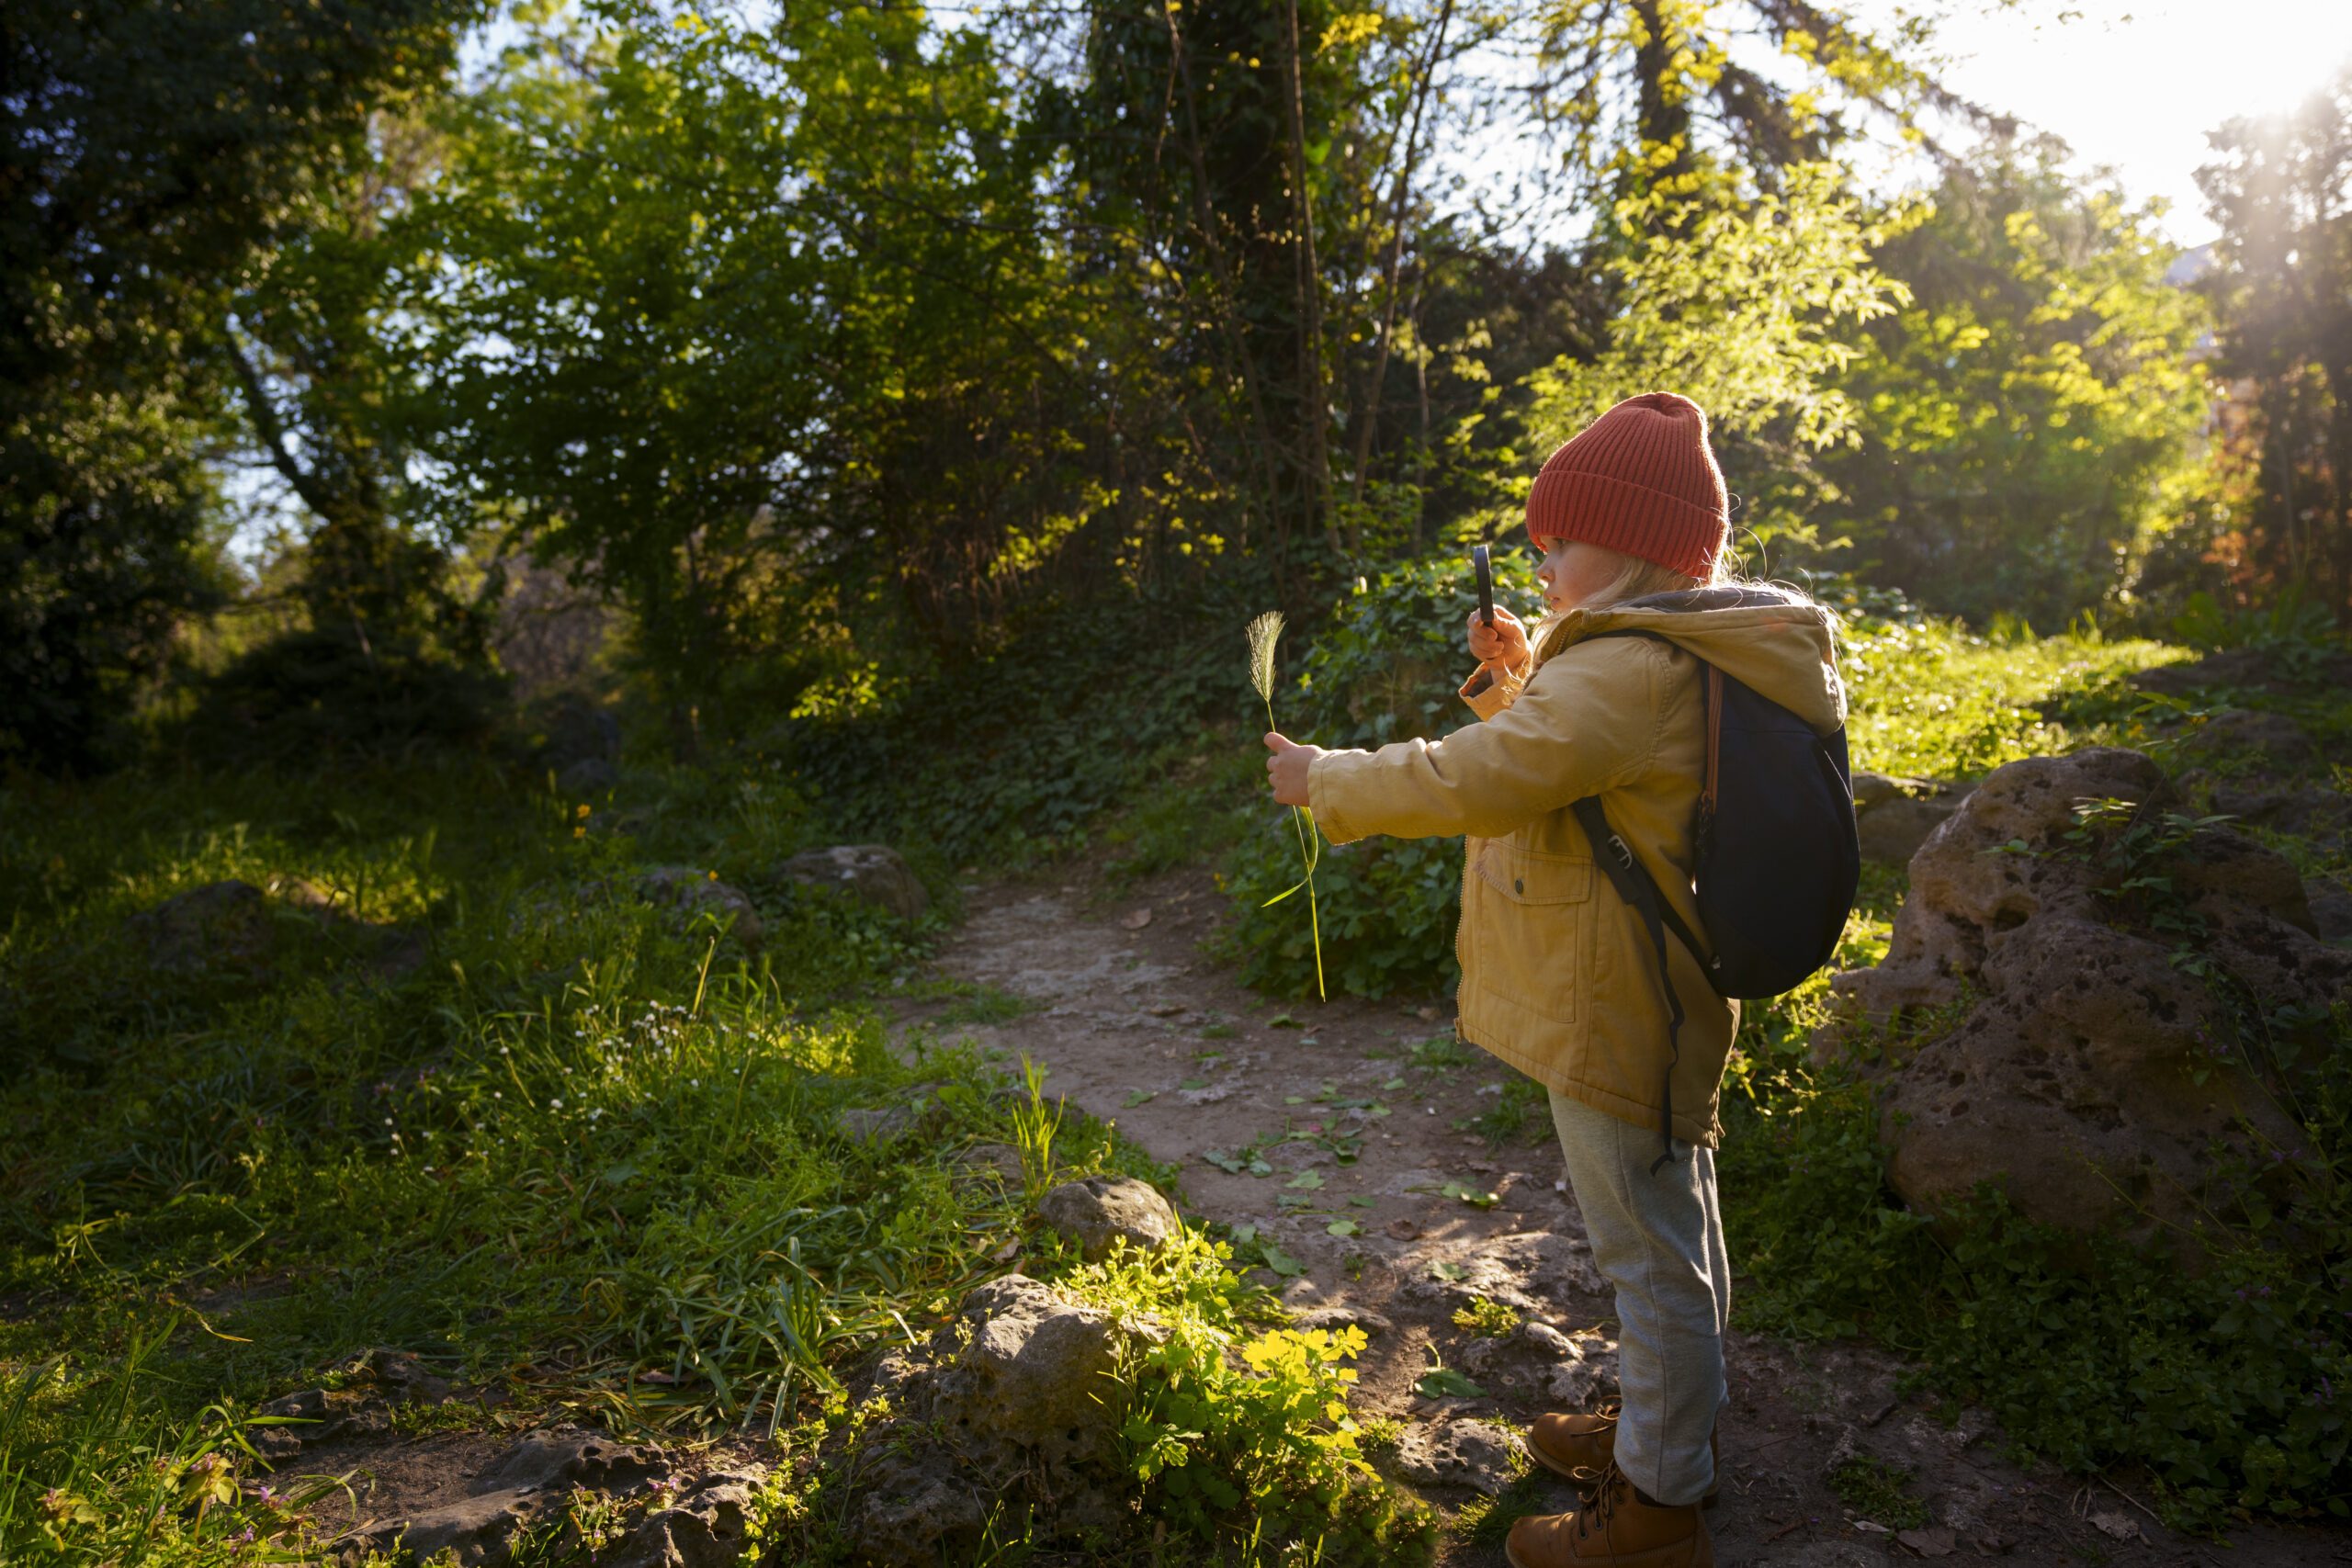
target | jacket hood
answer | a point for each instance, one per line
(1775, 641)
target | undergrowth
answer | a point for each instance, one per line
(587, 1157)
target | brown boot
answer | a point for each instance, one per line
(1581, 1446)
(1616, 1528)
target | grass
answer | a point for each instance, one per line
(591, 1157)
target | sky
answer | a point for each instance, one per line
(2137, 84)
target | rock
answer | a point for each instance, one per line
(559, 1459)
(2042, 1042)
(1336, 1315)
(1100, 1210)
(1011, 1405)
(2240, 732)
(401, 1375)
(912, 1514)
(704, 1530)
(1476, 1454)
(1895, 816)
(875, 872)
(525, 1486)
(1526, 1270)
(875, 1124)
(693, 893)
(221, 926)
(1538, 1362)
(1038, 1367)
(476, 1532)
(2311, 812)
(589, 775)
(993, 1162)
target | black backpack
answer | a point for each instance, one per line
(1777, 859)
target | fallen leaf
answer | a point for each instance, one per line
(1193, 1083)
(1343, 1227)
(1393, 1083)
(1284, 1021)
(1306, 1181)
(1138, 1097)
(1449, 1272)
(1403, 1230)
(1281, 1262)
(1136, 919)
(1006, 1253)
(1935, 1543)
(1470, 1195)
(1444, 1382)
(662, 1377)
(1357, 1200)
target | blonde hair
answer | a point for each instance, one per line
(1635, 579)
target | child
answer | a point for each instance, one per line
(1559, 977)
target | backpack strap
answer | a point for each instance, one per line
(1634, 883)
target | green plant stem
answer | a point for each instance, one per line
(1310, 850)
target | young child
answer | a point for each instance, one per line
(1559, 977)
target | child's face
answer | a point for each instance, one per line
(1573, 572)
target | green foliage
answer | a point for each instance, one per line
(578, 1136)
(1879, 1492)
(155, 155)
(1739, 299)
(334, 693)
(1245, 1436)
(2025, 415)
(1488, 1320)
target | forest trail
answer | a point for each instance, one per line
(1294, 1119)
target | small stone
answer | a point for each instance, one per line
(1094, 1213)
(874, 872)
(1136, 919)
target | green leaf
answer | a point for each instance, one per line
(1446, 1383)
(1343, 1227)
(1306, 1181)
(1281, 1262)
(1138, 1097)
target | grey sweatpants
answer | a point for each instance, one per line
(1658, 1240)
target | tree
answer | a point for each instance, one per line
(2026, 420)
(149, 153)
(2281, 285)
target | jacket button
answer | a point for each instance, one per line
(1517, 886)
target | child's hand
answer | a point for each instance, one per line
(1503, 645)
(1286, 769)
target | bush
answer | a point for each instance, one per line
(330, 694)
(1385, 667)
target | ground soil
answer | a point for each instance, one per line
(1134, 1025)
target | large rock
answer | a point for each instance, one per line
(693, 892)
(875, 872)
(1100, 1210)
(1013, 1400)
(1894, 816)
(2039, 1033)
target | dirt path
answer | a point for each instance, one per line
(1305, 1120)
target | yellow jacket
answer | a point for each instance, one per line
(1558, 975)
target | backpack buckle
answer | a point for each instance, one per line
(1624, 856)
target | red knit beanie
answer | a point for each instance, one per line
(1641, 479)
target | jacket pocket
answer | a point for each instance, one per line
(1532, 941)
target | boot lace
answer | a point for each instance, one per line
(1612, 1491)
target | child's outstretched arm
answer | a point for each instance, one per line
(1587, 721)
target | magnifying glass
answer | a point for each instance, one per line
(1485, 570)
